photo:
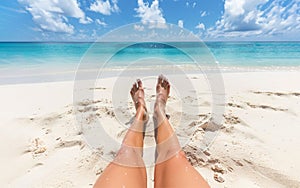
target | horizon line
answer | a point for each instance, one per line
(148, 41)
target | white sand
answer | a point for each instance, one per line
(258, 145)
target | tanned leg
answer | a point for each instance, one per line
(127, 169)
(172, 169)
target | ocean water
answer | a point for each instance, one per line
(225, 53)
(34, 58)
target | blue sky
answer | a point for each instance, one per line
(86, 20)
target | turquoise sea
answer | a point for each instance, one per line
(33, 58)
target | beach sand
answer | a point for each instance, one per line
(257, 145)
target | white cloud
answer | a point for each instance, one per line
(203, 13)
(151, 14)
(85, 20)
(99, 22)
(194, 4)
(180, 23)
(200, 26)
(258, 18)
(138, 27)
(52, 15)
(241, 15)
(105, 7)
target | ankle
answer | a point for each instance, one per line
(139, 115)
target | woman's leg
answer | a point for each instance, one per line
(128, 169)
(172, 169)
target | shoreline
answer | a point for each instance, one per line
(56, 74)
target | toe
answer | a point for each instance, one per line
(140, 84)
(160, 79)
(131, 92)
(165, 82)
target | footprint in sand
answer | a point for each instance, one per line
(219, 178)
(230, 119)
(235, 105)
(193, 155)
(265, 107)
(268, 93)
(36, 147)
(71, 143)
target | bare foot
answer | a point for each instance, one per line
(162, 94)
(138, 95)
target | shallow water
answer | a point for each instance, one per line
(59, 61)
